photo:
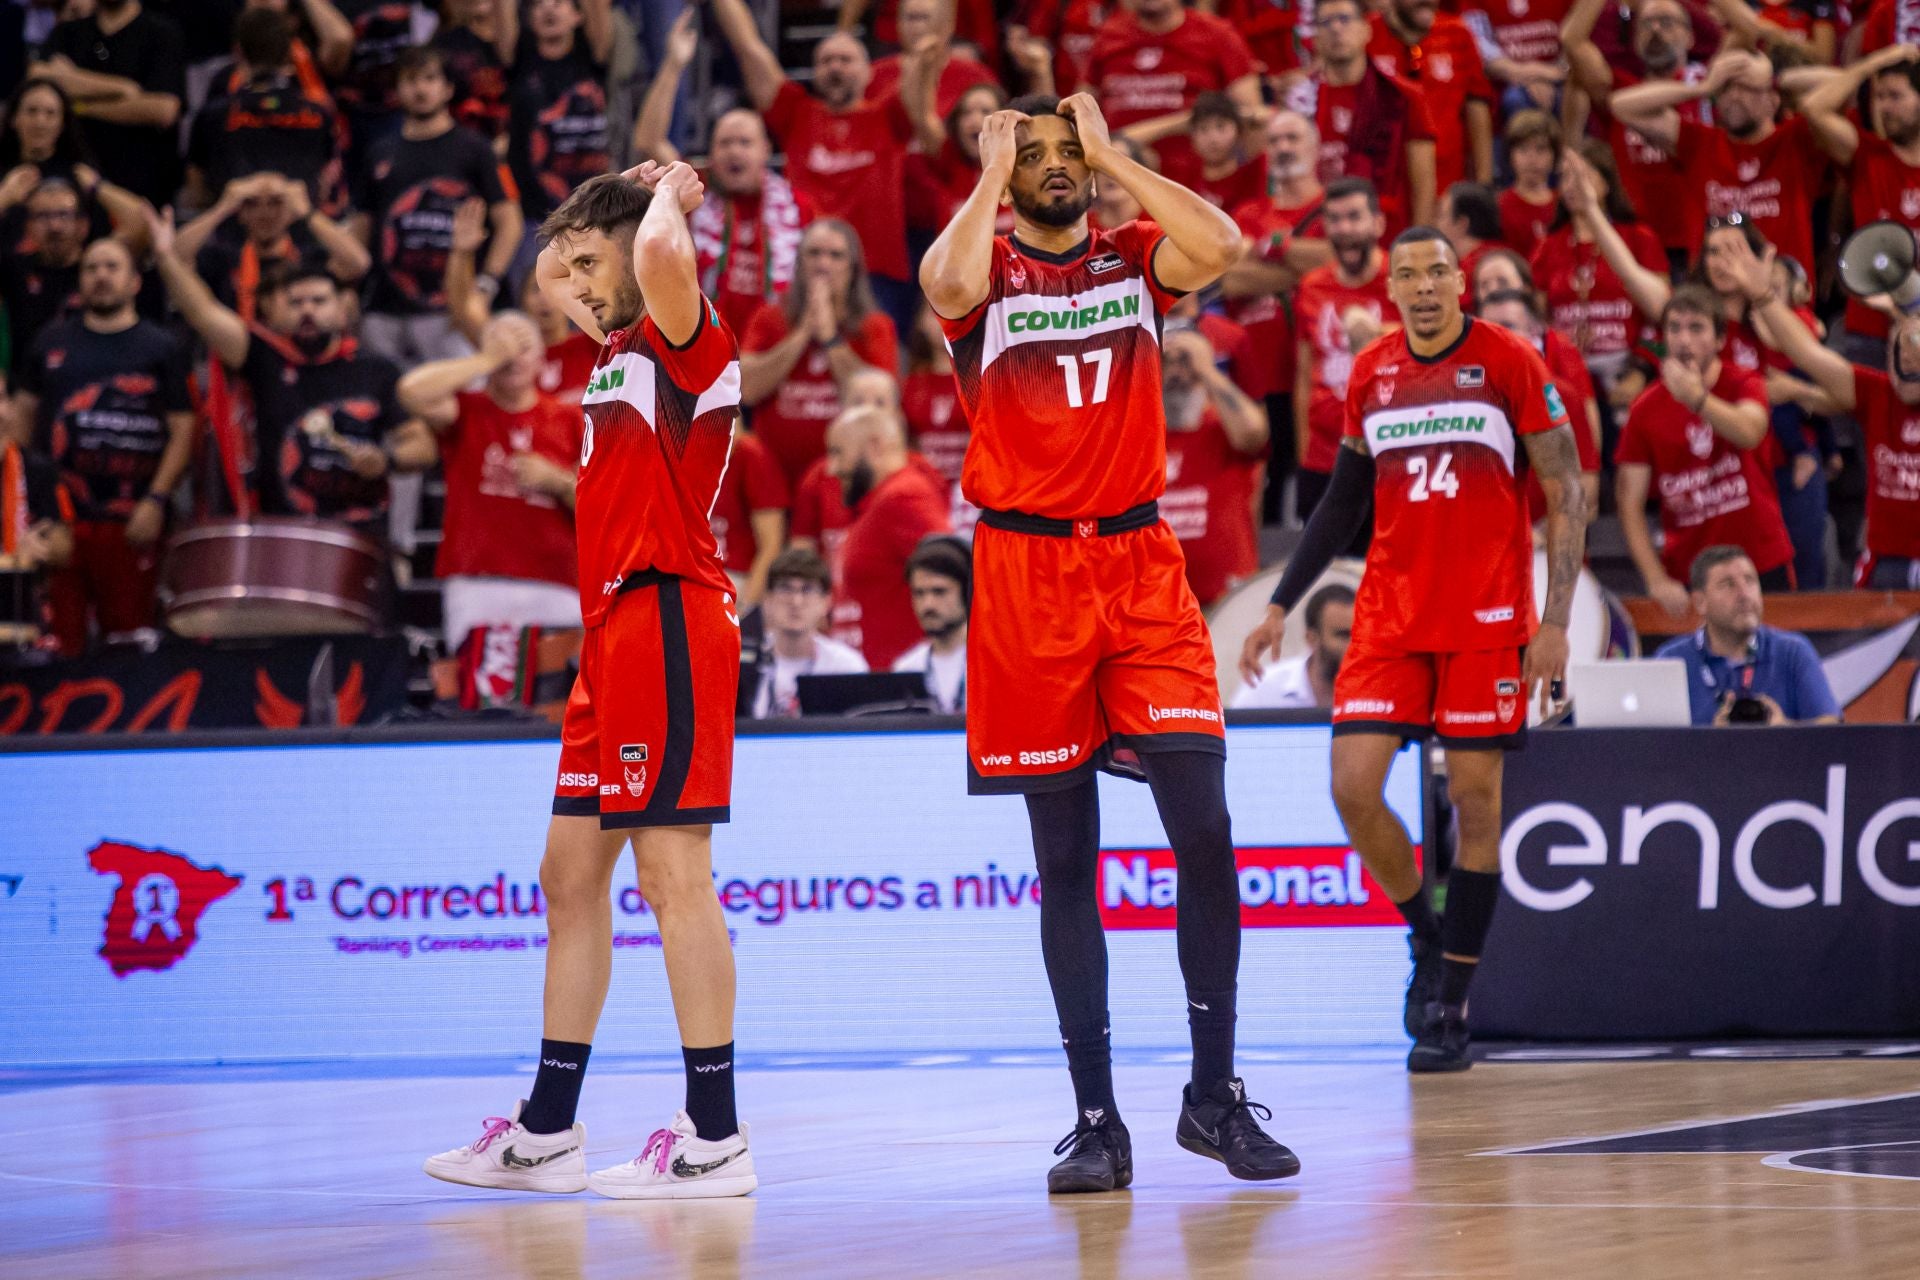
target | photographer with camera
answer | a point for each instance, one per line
(1740, 671)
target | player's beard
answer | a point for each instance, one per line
(1903, 133)
(311, 340)
(626, 304)
(857, 484)
(1062, 212)
(941, 629)
(1353, 256)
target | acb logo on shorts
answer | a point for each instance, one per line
(633, 753)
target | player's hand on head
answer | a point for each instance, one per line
(1190, 347)
(999, 140)
(1752, 272)
(1096, 144)
(1262, 644)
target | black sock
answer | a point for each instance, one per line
(710, 1091)
(1189, 789)
(1090, 1063)
(555, 1098)
(1471, 898)
(1066, 848)
(1418, 913)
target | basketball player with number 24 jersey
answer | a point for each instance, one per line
(646, 748)
(1444, 417)
(1086, 648)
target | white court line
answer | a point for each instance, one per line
(1785, 1109)
(1785, 1159)
(225, 1191)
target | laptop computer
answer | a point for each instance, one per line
(1648, 693)
(868, 693)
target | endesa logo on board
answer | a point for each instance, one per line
(1280, 888)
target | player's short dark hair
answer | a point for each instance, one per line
(264, 39)
(1476, 204)
(608, 203)
(1525, 297)
(1036, 104)
(800, 564)
(279, 276)
(946, 556)
(1332, 593)
(1694, 300)
(1347, 188)
(1712, 558)
(1421, 235)
(1533, 125)
(1908, 71)
(420, 60)
(1213, 105)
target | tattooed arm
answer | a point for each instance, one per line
(1555, 458)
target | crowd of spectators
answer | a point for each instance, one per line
(274, 256)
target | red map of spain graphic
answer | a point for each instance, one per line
(155, 916)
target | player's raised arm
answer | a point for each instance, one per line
(664, 263)
(1202, 241)
(955, 274)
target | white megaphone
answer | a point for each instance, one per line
(1878, 258)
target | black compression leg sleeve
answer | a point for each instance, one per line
(1471, 898)
(1189, 788)
(1066, 849)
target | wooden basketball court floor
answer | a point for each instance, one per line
(934, 1167)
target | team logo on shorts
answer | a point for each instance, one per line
(636, 782)
(1507, 688)
(633, 752)
(1385, 391)
(1472, 375)
(1506, 707)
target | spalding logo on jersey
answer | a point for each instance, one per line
(1040, 317)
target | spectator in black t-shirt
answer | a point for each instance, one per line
(415, 182)
(43, 284)
(478, 39)
(559, 136)
(40, 139)
(258, 221)
(129, 68)
(36, 525)
(329, 428)
(107, 393)
(363, 75)
(270, 124)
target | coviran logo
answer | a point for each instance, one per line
(1075, 317)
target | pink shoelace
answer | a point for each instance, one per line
(663, 1139)
(492, 1127)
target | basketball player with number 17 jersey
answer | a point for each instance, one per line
(1444, 417)
(646, 748)
(1086, 648)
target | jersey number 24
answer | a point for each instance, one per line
(1431, 476)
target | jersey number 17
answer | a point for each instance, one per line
(1102, 362)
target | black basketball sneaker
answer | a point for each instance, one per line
(1099, 1156)
(1221, 1127)
(1442, 1043)
(1423, 984)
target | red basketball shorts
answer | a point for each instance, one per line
(647, 740)
(1468, 700)
(1080, 647)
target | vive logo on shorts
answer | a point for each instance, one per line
(633, 753)
(1493, 615)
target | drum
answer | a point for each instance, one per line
(273, 576)
(20, 604)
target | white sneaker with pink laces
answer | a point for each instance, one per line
(507, 1157)
(677, 1165)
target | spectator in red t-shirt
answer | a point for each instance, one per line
(796, 352)
(1527, 208)
(1519, 311)
(1695, 437)
(568, 355)
(1216, 438)
(1520, 45)
(845, 152)
(1470, 217)
(749, 515)
(1372, 124)
(894, 504)
(1499, 270)
(1586, 298)
(1284, 241)
(1887, 407)
(889, 22)
(1662, 35)
(1882, 165)
(1335, 305)
(930, 401)
(507, 556)
(1436, 54)
(946, 168)
(747, 233)
(1768, 172)
(1213, 162)
(1154, 57)
(951, 70)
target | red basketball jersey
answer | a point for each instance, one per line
(1059, 373)
(1451, 564)
(658, 433)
